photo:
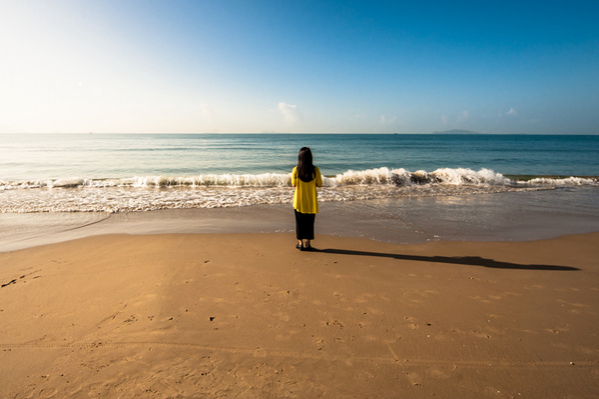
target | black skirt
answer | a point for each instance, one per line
(304, 225)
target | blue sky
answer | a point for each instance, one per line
(299, 66)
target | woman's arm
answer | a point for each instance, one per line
(294, 177)
(318, 177)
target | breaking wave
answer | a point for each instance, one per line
(380, 176)
(228, 190)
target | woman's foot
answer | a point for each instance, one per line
(300, 247)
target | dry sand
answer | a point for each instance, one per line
(249, 316)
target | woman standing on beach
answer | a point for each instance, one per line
(305, 178)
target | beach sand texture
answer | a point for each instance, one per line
(249, 316)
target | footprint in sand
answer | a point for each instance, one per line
(319, 342)
(443, 338)
(339, 296)
(411, 322)
(334, 323)
(440, 374)
(480, 299)
(363, 298)
(511, 293)
(374, 311)
(578, 305)
(427, 293)
(414, 378)
(566, 289)
(287, 336)
(480, 334)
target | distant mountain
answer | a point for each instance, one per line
(457, 131)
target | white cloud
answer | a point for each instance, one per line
(444, 118)
(511, 112)
(290, 112)
(464, 116)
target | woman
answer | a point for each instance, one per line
(305, 178)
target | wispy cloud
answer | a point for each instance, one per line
(464, 116)
(511, 112)
(290, 113)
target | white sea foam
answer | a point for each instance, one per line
(381, 176)
(226, 190)
(570, 181)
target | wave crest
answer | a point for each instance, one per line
(402, 177)
(371, 177)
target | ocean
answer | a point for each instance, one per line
(394, 188)
(144, 172)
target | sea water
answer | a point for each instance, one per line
(144, 172)
(395, 188)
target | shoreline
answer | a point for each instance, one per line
(249, 316)
(517, 216)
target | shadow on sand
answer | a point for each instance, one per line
(457, 260)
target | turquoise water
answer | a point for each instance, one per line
(126, 172)
(100, 156)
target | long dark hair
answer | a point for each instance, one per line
(305, 167)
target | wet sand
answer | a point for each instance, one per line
(249, 316)
(517, 216)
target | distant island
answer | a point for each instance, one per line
(457, 131)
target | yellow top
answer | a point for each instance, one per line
(304, 197)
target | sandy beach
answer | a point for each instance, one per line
(160, 159)
(249, 316)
